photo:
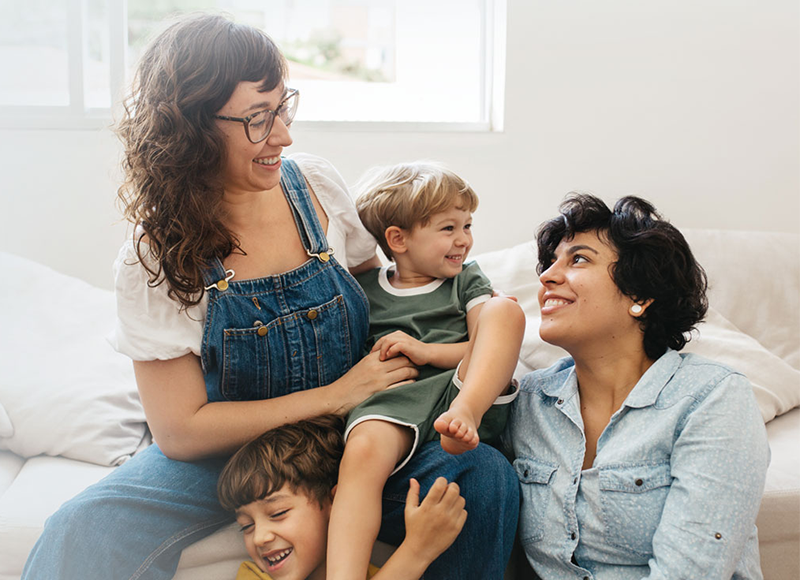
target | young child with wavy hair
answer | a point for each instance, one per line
(281, 485)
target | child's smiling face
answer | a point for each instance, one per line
(286, 534)
(439, 248)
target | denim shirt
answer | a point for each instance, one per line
(675, 486)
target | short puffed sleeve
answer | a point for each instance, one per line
(352, 243)
(150, 325)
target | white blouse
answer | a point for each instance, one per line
(151, 326)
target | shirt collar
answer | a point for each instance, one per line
(644, 394)
(653, 381)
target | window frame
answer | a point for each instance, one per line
(76, 116)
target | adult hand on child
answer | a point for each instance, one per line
(399, 343)
(370, 375)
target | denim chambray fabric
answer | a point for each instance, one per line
(675, 486)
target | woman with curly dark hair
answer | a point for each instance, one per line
(634, 461)
(237, 304)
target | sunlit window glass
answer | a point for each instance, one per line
(34, 60)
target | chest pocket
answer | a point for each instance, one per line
(302, 350)
(632, 499)
(535, 478)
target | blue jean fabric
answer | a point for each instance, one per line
(261, 340)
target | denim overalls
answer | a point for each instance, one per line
(281, 334)
(265, 338)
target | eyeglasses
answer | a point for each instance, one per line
(258, 125)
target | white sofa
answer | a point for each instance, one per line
(69, 411)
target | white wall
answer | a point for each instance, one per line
(694, 105)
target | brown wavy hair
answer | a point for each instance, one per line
(173, 154)
(303, 455)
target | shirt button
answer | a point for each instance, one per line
(718, 536)
(575, 480)
(312, 314)
(560, 402)
(573, 536)
(638, 482)
(525, 473)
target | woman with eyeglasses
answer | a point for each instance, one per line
(237, 305)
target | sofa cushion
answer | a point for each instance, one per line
(67, 392)
(40, 487)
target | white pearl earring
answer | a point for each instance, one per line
(636, 309)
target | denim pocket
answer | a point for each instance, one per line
(534, 477)
(305, 349)
(632, 498)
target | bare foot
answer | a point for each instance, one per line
(458, 429)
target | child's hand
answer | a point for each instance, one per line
(397, 343)
(431, 527)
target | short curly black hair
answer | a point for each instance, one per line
(654, 261)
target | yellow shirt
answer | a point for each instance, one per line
(249, 571)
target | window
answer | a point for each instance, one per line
(365, 62)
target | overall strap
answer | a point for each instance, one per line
(215, 275)
(305, 216)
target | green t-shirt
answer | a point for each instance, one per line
(434, 313)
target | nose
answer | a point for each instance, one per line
(553, 274)
(263, 535)
(279, 135)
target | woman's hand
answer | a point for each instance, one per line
(399, 343)
(368, 376)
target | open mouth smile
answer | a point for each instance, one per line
(275, 558)
(268, 161)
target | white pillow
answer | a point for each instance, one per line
(776, 384)
(65, 391)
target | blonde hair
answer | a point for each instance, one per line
(408, 195)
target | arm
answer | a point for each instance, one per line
(397, 343)
(443, 356)
(719, 463)
(187, 427)
(431, 527)
(371, 264)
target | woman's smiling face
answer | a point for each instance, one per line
(252, 167)
(580, 302)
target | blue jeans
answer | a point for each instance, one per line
(134, 524)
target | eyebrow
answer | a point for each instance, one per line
(265, 104)
(274, 497)
(580, 247)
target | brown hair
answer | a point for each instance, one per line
(407, 195)
(173, 151)
(303, 455)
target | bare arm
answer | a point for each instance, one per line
(187, 427)
(371, 264)
(431, 527)
(443, 356)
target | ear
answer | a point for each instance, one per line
(396, 239)
(639, 307)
